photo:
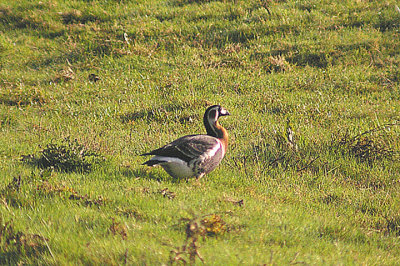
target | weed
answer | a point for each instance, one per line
(116, 228)
(214, 225)
(130, 213)
(65, 75)
(393, 224)
(196, 228)
(279, 149)
(185, 2)
(14, 243)
(106, 45)
(369, 146)
(331, 199)
(272, 63)
(310, 59)
(278, 64)
(166, 193)
(93, 77)
(331, 232)
(11, 194)
(67, 156)
(240, 203)
(14, 185)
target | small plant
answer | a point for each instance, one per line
(369, 146)
(279, 149)
(213, 225)
(12, 193)
(393, 224)
(239, 203)
(196, 228)
(14, 242)
(166, 193)
(130, 213)
(14, 185)
(277, 64)
(64, 75)
(66, 156)
(116, 228)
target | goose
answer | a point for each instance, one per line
(194, 155)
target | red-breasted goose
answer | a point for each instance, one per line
(194, 155)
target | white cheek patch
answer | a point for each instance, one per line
(223, 112)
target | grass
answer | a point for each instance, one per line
(87, 86)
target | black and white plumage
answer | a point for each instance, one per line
(194, 155)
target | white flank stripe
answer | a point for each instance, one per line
(168, 159)
(214, 150)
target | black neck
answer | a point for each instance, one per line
(209, 129)
(212, 128)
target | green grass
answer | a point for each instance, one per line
(330, 68)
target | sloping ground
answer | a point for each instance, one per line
(87, 86)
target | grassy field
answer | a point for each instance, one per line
(86, 86)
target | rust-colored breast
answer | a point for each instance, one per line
(222, 136)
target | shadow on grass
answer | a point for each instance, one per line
(13, 257)
(10, 258)
(165, 112)
(13, 96)
(152, 114)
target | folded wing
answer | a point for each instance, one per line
(186, 148)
